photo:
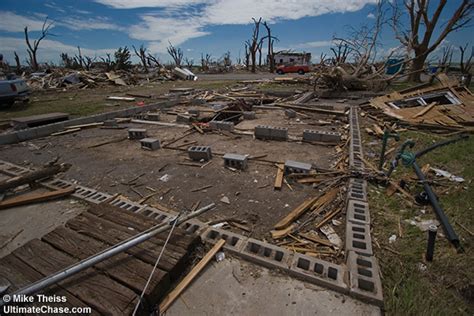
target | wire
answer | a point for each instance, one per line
(156, 265)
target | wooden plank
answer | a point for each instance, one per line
(141, 222)
(111, 234)
(171, 297)
(279, 177)
(35, 197)
(316, 239)
(19, 275)
(95, 289)
(295, 213)
(425, 110)
(316, 110)
(68, 131)
(124, 268)
(280, 233)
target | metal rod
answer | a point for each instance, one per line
(431, 242)
(448, 229)
(106, 254)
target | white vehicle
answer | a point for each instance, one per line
(13, 90)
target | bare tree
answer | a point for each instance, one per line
(33, 49)
(341, 52)
(153, 61)
(205, 61)
(189, 62)
(466, 65)
(254, 43)
(176, 54)
(247, 56)
(418, 37)
(141, 53)
(79, 57)
(259, 48)
(122, 59)
(270, 53)
(226, 60)
(18, 64)
(446, 57)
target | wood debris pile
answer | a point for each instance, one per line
(444, 104)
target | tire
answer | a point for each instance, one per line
(301, 72)
(280, 72)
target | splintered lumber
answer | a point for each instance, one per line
(33, 176)
(280, 233)
(35, 197)
(327, 217)
(279, 177)
(295, 213)
(425, 110)
(68, 131)
(316, 239)
(316, 110)
(173, 295)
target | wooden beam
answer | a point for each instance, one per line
(279, 177)
(35, 197)
(316, 110)
(295, 213)
(280, 233)
(425, 110)
(173, 295)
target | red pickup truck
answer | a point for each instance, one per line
(301, 69)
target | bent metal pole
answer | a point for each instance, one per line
(107, 253)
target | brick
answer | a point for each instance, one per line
(358, 238)
(150, 143)
(234, 242)
(266, 254)
(222, 125)
(235, 161)
(292, 166)
(249, 115)
(319, 272)
(358, 212)
(290, 113)
(137, 133)
(199, 153)
(364, 278)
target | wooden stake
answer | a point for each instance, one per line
(279, 178)
(174, 294)
(35, 197)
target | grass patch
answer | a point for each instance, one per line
(411, 285)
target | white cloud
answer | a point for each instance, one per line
(88, 24)
(49, 50)
(12, 22)
(371, 16)
(315, 44)
(128, 4)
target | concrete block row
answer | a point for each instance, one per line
(358, 238)
(358, 212)
(249, 115)
(270, 132)
(11, 169)
(234, 242)
(321, 136)
(127, 204)
(364, 278)
(199, 153)
(357, 189)
(235, 161)
(319, 272)
(222, 125)
(266, 254)
(150, 143)
(153, 116)
(292, 166)
(137, 133)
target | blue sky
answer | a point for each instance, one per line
(197, 26)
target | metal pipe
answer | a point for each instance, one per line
(431, 242)
(105, 254)
(448, 229)
(443, 143)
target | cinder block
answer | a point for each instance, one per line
(137, 133)
(279, 133)
(364, 278)
(266, 254)
(111, 123)
(321, 136)
(319, 272)
(358, 212)
(249, 115)
(292, 166)
(150, 143)
(222, 125)
(311, 135)
(182, 118)
(193, 226)
(262, 132)
(200, 153)
(331, 137)
(153, 117)
(234, 242)
(358, 238)
(194, 112)
(290, 113)
(156, 214)
(357, 189)
(235, 161)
